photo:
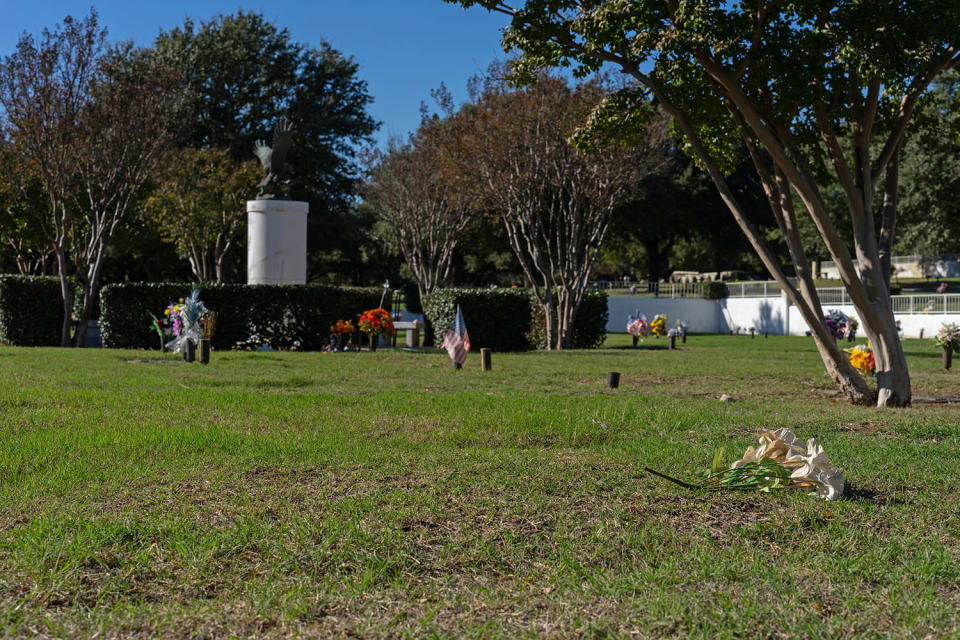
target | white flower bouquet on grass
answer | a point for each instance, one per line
(780, 462)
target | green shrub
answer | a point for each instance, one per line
(510, 319)
(589, 325)
(247, 316)
(715, 290)
(31, 310)
(496, 319)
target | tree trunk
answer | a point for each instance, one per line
(80, 336)
(66, 293)
(893, 377)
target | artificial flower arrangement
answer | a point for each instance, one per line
(185, 321)
(163, 328)
(375, 322)
(339, 337)
(861, 358)
(836, 322)
(341, 328)
(638, 326)
(659, 325)
(780, 462)
(948, 337)
(852, 326)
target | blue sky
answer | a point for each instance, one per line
(403, 48)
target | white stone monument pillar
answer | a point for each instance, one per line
(277, 241)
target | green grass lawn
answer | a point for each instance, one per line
(383, 495)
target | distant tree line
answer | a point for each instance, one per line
(125, 163)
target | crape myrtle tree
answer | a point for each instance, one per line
(426, 218)
(22, 203)
(198, 204)
(805, 85)
(90, 124)
(510, 147)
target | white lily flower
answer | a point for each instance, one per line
(808, 464)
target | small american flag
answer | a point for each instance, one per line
(456, 341)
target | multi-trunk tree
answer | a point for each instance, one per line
(807, 87)
(21, 205)
(89, 124)
(426, 218)
(198, 204)
(511, 148)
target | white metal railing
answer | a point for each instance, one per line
(833, 295)
(830, 264)
(902, 305)
(926, 303)
(658, 289)
(932, 303)
(763, 289)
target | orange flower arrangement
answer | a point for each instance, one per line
(376, 321)
(342, 328)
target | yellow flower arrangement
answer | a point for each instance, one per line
(861, 358)
(659, 325)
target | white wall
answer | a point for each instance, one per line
(911, 324)
(700, 315)
(772, 314)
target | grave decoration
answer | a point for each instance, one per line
(374, 323)
(852, 326)
(161, 327)
(836, 322)
(185, 320)
(861, 358)
(948, 339)
(638, 327)
(340, 336)
(659, 325)
(780, 462)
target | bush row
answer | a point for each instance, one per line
(247, 316)
(589, 327)
(510, 319)
(31, 310)
(282, 317)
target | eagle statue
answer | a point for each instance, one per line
(276, 173)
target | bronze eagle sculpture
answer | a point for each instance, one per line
(276, 172)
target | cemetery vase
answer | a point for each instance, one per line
(485, 360)
(374, 339)
(947, 358)
(189, 351)
(673, 342)
(204, 351)
(613, 380)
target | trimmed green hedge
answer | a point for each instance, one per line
(715, 290)
(247, 316)
(509, 319)
(589, 327)
(31, 310)
(496, 319)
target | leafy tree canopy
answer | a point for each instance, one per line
(780, 77)
(244, 72)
